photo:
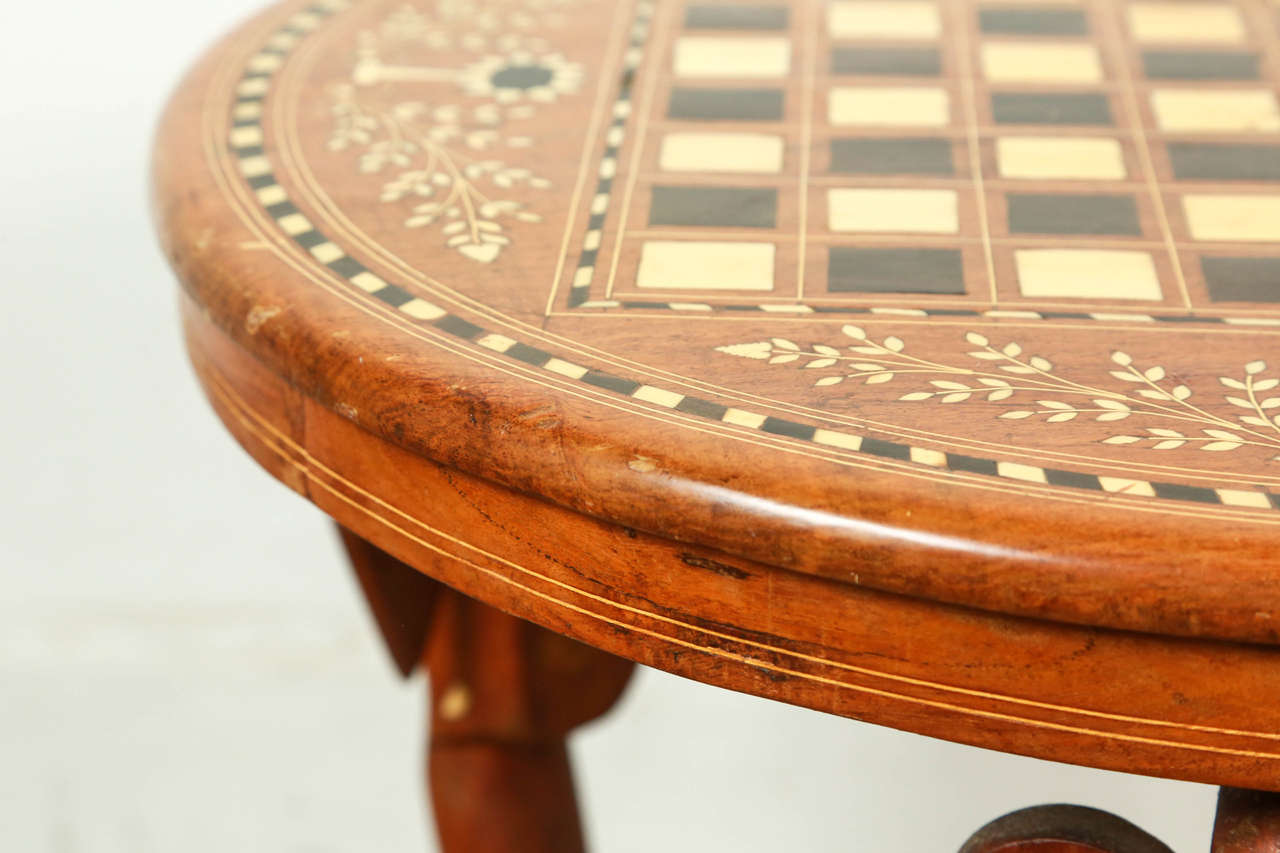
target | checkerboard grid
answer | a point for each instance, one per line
(1062, 242)
(1111, 160)
(700, 183)
(890, 110)
(1214, 223)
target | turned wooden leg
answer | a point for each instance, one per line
(1061, 829)
(1247, 822)
(504, 696)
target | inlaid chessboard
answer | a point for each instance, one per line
(1073, 160)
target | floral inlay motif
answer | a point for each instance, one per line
(1005, 374)
(448, 159)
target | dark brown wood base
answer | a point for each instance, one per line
(505, 693)
(1061, 829)
(1246, 822)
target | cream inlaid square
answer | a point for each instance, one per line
(1186, 23)
(1087, 274)
(893, 210)
(1041, 62)
(705, 265)
(877, 19)
(711, 56)
(1049, 157)
(721, 152)
(1216, 110)
(1248, 218)
(1125, 486)
(889, 106)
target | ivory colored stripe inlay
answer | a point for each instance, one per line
(706, 266)
(721, 152)
(1087, 273)
(1216, 110)
(698, 56)
(876, 19)
(893, 210)
(1186, 23)
(888, 106)
(1047, 157)
(1037, 62)
(1250, 218)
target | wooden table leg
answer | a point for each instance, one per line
(505, 693)
(1061, 829)
(1247, 822)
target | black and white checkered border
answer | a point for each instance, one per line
(802, 309)
(246, 140)
(585, 272)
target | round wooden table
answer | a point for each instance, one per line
(913, 361)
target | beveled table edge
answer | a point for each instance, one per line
(1201, 712)
(248, 295)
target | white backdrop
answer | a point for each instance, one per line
(184, 661)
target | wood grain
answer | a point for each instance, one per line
(946, 501)
(1191, 709)
(996, 464)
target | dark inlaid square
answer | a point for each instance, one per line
(346, 266)
(393, 296)
(702, 408)
(310, 239)
(858, 270)
(715, 207)
(1072, 479)
(781, 426)
(914, 61)
(1200, 65)
(609, 382)
(1179, 492)
(528, 354)
(726, 104)
(1051, 108)
(1036, 213)
(886, 449)
(259, 182)
(911, 156)
(455, 325)
(973, 464)
(281, 209)
(736, 18)
(1047, 21)
(1224, 161)
(1242, 279)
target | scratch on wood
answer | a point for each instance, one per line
(714, 566)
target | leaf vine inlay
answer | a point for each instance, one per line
(449, 158)
(1029, 386)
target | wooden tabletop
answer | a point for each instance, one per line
(975, 302)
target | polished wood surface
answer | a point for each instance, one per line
(1194, 709)
(504, 695)
(389, 209)
(861, 360)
